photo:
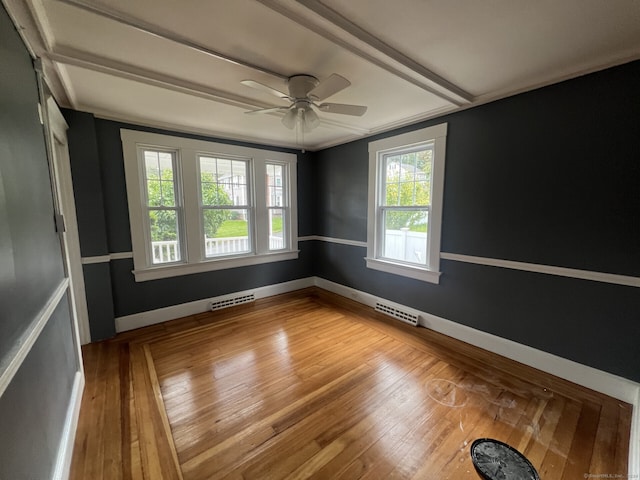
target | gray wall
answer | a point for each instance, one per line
(92, 227)
(97, 166)
(550, 177)
(30, 264)
(34, 405)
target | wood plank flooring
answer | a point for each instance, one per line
(312, 385)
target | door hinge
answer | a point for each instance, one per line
(59, 221)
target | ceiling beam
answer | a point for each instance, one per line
(33, 27)
(157, 31)
(361, 34)
(366, 46)
(78, 58)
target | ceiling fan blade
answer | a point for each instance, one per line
(329, 86)
(343, 108)
(267, 110)
(265, 88)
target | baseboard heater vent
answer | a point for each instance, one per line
(402, 315)
(231, 301)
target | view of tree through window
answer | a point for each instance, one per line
(408, 184)
(405, 204)
(225, 205)
(405, 208)
(162, 206)
(199, 206)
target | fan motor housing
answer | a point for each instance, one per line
(301, 85)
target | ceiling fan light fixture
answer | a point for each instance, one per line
(311, 119)
(290, 119)
(304, 91)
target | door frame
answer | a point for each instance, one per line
(70, 237)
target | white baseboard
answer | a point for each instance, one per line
(634, 441)
(65, 451)
(151, 317)
(603, 382)
(607, 383)
(589, 377)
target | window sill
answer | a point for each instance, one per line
(416, 273)
(176, 270)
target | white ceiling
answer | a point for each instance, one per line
(179, 64)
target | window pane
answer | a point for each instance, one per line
(151, 164)
(405, 235)
(223, 182)
(269, 184)
(240, 172)
(214, 194)
(159, 178)
(226, 231)
(209, 193)
(276, 229)
(408, 179)
(275, 185)
(166, 165)
(223, 169)
(168, 192)
(165, 243)
(154, 197)
(207, 169)
(276, 197)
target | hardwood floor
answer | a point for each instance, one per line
(312, 385)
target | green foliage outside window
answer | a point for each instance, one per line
(213, 194)
(408, 183)
(161, 192)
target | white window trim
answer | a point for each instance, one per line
(437, 134)
(188, 151)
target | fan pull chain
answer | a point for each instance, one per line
(300, 130)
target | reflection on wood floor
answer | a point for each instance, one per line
(312, 385)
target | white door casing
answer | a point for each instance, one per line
(66, 203)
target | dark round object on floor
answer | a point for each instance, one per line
(495, 460)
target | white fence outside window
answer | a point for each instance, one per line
(406, 245)
(167, 251)
(219, 246)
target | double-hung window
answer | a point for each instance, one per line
(277, 205)
(196, 206)
(163, 219)
(226, 205)
(406, 179)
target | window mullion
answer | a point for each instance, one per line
(152, 219)
(260, 210)
(290, 200)
(192, 223)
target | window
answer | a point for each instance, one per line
(406, 180)
(225, 207)
(196, 206)
(276, 206)
(163, 212)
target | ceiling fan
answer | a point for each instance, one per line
(304, 93)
